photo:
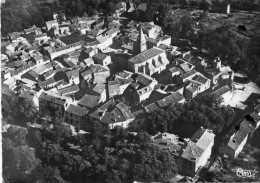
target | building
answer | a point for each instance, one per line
(118, 115)
(140, 44)
(52, 52)
(238, 139)
(76, 115)
(149, 62)
(225, 92)
(196, 85)
(102, 59)
(190, 154)
(52, 103)
(197, 152)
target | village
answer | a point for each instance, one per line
(115, 71)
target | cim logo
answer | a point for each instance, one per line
(245, 173)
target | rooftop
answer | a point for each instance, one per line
(52, 98)
(77, 110)
(222, 90)
(89, 101)
(146, 55)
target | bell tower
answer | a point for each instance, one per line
(140, 44)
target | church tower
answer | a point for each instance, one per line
(140, 44)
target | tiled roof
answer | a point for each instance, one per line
(77, 110)
(171, 99)
(200, 79)
(192, 151)
(99, 88)
(222, 90)
(100, 56)
(144, 90)
(146, 55)
(69, 89)
(240, 135)
(192, 89)
(186, 67)
(188, 74)
(256, 117)
(47, 82)
(125, 110)
(125, 74)
(51, 98)
(74, 73)
(97, 68)
(203, 138)
(174, 69)
(89, 101)
(257, 108)
(86, 73)
(144, 79)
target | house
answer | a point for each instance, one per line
(33, 29)
(98, 89)
(52, 103)
(87, 74)
(164, 40)
(225, 92)
(171, 99)
(91, 52)
(118, 115)
(190, 154)
(113, 88)
(52, 24)
(104, 42)
(100, 73)
(76, 115)
(197, 84)
(41, 38)
(73, 76)
(52, 52)
(90, 101)
(48, 84)
(102, 59)
(89, 61)
(197, 152)
(68, 90)
(150, 29)
(15, 37)
(238, 139)
(124, 74)
(149, 62)
(143, 93)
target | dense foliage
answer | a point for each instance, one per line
(190, 116)
(18, 110)
(117, 156)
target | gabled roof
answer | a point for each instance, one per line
(192, 151)
(89, 101)
(188, 74)
(73, 88)
(77, 110)
(203, 138)
(51, 98)
(146, 55)
(144, 79)
(100, 56)
(222, 90)
(200, 79)
(171, 99)
(237, 138)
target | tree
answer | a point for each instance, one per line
(205, 5)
